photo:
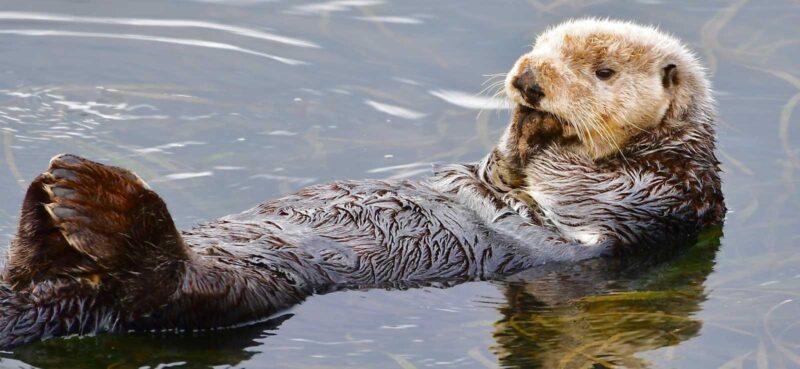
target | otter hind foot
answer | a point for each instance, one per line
(82, 218)
(93, 205)
(94, 246)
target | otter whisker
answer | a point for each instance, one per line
(583, 127)
(634, 125)
(492, 77)
(498, 94)
(501, 95)
(495, 75)
(490, 87)
(605, 132)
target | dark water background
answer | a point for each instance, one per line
(221, 104)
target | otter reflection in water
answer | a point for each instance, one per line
(600, 315)
(596, 313)
(610, 152)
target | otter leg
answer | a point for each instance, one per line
(95, 250)
(97, 223)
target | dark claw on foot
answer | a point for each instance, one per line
(64, 173)
(65, 159)
(62, 212)
(63, 192)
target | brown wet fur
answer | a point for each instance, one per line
(530, 131)
(97, 250)
(107, 229)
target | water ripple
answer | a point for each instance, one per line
(185, 175)
(390, 19)
(241, 31)
(471, 101)
(394, 110)
(333, 6)
(302, 181)
(162, 148)
(167, 40)
(90, 109)
(401, 167)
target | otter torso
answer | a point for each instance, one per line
(375, 233)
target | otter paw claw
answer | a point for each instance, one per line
(60, 212)
(63, 174)
(60, 192)
(65, 159)
(518, 201)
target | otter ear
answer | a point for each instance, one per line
(669, 76)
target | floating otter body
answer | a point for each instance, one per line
(97, 251)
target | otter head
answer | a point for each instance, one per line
(606, 81)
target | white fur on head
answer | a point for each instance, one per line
(605, 113)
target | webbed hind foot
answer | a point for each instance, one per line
(97, 223)
(95, 249)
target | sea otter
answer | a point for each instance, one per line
(610, 151)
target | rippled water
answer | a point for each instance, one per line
(221, 104)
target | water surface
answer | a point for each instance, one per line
(222, 104)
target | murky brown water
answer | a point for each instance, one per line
(223, 104)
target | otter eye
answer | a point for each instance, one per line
(604, 73)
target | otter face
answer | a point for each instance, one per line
(605, 81)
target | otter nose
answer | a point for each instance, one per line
(525, 82)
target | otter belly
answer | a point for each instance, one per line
(367, 233)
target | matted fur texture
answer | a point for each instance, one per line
(623, 165)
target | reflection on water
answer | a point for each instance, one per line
(221, 104)
(595, 315)
(601, 317)
(213, 348)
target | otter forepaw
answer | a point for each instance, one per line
(518, 200)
